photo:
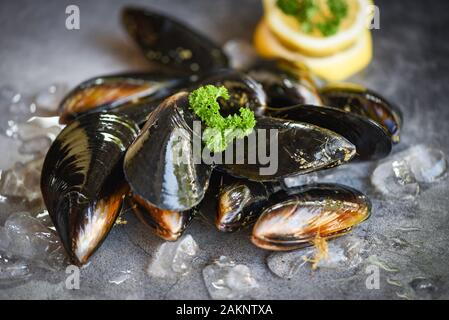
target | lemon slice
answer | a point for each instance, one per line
(336, 67)
(289, 31)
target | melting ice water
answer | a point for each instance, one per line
(173, 259)
(225, 279)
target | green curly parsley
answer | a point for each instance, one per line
(220, 131)
(306, 10)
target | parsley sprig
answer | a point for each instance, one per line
(220, 130)
(305, 11)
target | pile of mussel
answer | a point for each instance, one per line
(118, 149)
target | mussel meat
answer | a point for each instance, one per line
(82, 180)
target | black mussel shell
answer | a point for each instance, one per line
(280, 148)
(160, 166)
(367, 103)
(371, 140)
(240, 202)
(82, 180)
(169, 225)
(244, 92)
(138, 94)
(298, 217)
(172, 44)
(284, 89)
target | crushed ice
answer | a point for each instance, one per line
(27, 243)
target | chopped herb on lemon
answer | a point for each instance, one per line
(220, 130)
(314, 15)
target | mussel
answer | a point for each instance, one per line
(169, 225)
(294, 148)
(82, 180)
(284, 89)
(240, 202)
(160, 166)
(131, 94)
(299, 216)
(371, 140)
(243, 91)
(169, 43)
(360, 100)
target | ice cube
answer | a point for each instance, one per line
(287, 264)
(31, 240)
(23, 180)
(427, 164)
(225, 279)
(8, 159)
(424, 287)
(4, 239)
(15, 108)
(343, 253)
(395, 179)
(48, 100)
(35, 129)
(173, 259)
(13, 270)
(39, 145)
(121, 277)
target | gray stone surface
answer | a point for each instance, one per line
(407, 239)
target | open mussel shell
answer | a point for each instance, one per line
(284, 89)
(116, 93)
(371, 140)
(82, 180)
(172, 44)
(280, 148)
(362, 101)
(169, 225)
(244, 92)
(160, 166)
(240, 202)
(300, 216)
